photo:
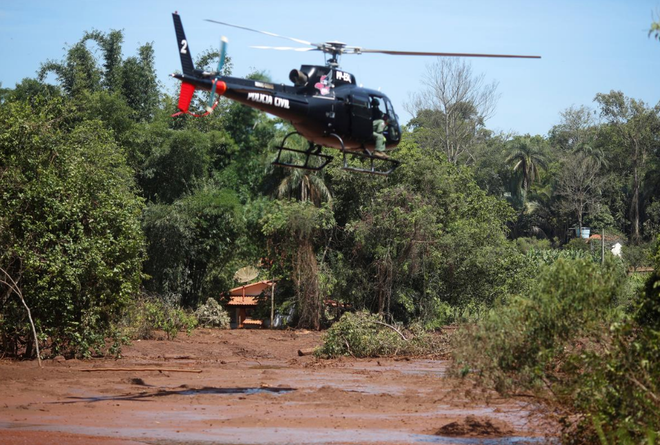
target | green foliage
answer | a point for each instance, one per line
(294, 228)
(363, 334)
(549, 256)
(134, 79)
(571, 342)
(70, 231)
(189, 240)
(637, 256)
(526, 157)
(648, 314)
(212, 315)
(176, 167)
(146, 314)
(426, 236)
(529, 342)
(526, 245)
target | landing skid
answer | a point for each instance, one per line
(379, 163)
(312, 152)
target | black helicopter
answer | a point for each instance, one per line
(325, 105)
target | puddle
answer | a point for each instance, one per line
(414, 367)
(274, 436)
(351, 383)
(181, 391)
(267, 390)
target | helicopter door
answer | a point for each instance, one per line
(361, 126)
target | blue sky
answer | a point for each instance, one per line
(587, 47)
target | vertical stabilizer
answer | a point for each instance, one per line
(184, 48)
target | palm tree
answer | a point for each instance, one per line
(306, 185)
(526, 156)
(588, 149)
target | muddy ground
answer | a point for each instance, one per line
(253, 388)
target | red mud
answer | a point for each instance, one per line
(253, 389)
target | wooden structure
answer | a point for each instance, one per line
(243, 300)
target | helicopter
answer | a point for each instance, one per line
(325, 105)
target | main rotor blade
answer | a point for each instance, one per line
(422, 53)
(304, 42)
(284, 48)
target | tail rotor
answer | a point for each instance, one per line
(219, 87)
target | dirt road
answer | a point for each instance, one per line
(253, 389)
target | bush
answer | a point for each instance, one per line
(532, 342)
(570, 342)
(69, 229)
(363, 334)
(446, 314)
(148, 314)
(618, 393)
(524, 244)
(211, 314)
(548, 256)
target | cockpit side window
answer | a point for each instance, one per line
(378, 107)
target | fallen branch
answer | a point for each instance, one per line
(645, 389)
(13, 286)
(391, 327)
(348, 347)
(197, 371)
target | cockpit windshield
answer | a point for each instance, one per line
(390, 110)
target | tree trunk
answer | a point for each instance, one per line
(634, 206)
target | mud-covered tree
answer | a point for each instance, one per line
(296, 230)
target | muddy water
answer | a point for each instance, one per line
(271, 436)
(279, 400)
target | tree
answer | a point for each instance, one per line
(69, 227)
(638, 130)
(579, 185)
(526, 156)
(655, 30)
(79, 72)
(426, 239)
(575, 129)
(303, 184)
(133, 79)
(189, 239)
(294, 230)
(309, 186)
(176, 166)
(453, 108)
